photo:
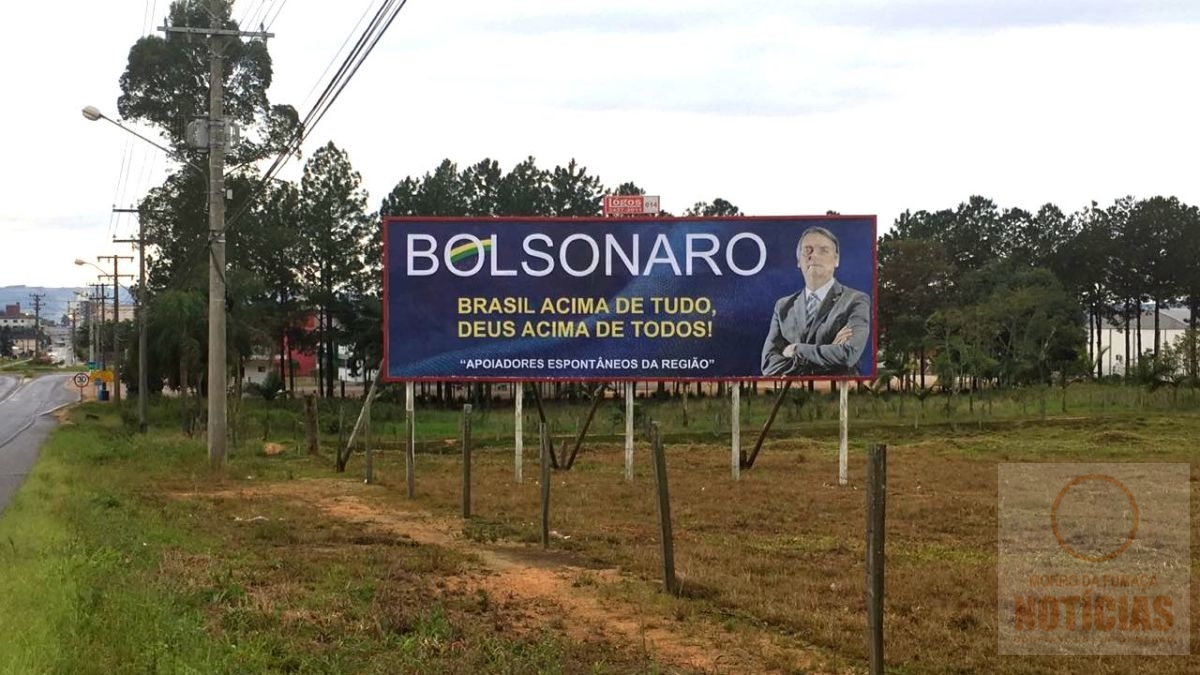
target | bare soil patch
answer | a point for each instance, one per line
(537, 589)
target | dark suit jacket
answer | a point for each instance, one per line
(815, 355)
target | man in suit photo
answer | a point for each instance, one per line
(823, 328)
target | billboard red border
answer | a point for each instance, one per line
(591, 219)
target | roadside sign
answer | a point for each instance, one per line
(81, 380)
(630, 204)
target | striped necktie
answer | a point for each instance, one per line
(811, 303)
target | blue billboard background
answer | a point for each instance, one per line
(430, 336)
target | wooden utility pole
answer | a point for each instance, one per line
(37, 324)
(116, 362)
(217, 380)
(143, 357)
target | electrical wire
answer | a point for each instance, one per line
(334, 58)
(118, 190)
(271, 21)
(363, 47)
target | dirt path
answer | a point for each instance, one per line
(550, 588)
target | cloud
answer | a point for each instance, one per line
(984, 15)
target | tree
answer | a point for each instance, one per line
(913, 283)
(6, 342)
(718, 207)
(333, 220)
(571, 192)
(166, 83)
(524, 191)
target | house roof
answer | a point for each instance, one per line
(1165, 321)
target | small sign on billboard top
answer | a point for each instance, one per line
(631, 204)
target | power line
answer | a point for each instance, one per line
(334, 58)
(365, 44)
(271, 21)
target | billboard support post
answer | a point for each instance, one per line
(410, 440)
(843, 433)
(629, 387)
(735, 425)
(518, 430)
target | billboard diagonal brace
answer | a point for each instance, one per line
(597, 397)
(762, 435)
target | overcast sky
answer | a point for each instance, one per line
(783, 107)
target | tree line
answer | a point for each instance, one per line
(1010, 297)
(974, 293)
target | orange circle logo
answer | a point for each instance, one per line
(1058, 500)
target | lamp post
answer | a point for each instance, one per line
(217, 376)
(93, 114)
(116, 277)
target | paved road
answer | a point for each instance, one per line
(24, 425)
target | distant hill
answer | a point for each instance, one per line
(54, 305)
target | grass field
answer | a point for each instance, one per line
(126, 554)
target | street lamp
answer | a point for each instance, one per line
(217, 375)
(93, 114)
(116, 363)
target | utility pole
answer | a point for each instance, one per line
(116, 362)
(102, 296)
(217, 386)
(143, 358)
(74, 329)
(37, 324)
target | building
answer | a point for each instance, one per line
(1112, 340)
(7, 321)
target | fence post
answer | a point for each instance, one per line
(664, 511)
(370, 453)
(876, 508)
(544, 436)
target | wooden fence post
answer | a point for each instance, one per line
(544, 436)
(370, 453)
(876, 508)
(310, 424)
(664, 512)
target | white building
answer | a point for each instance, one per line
(1112, 340)
(16, 321)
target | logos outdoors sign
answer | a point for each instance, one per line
(615, 205)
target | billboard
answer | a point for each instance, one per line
(630, 298)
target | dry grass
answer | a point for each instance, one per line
(778, 556)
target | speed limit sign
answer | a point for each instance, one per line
(81, 380)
